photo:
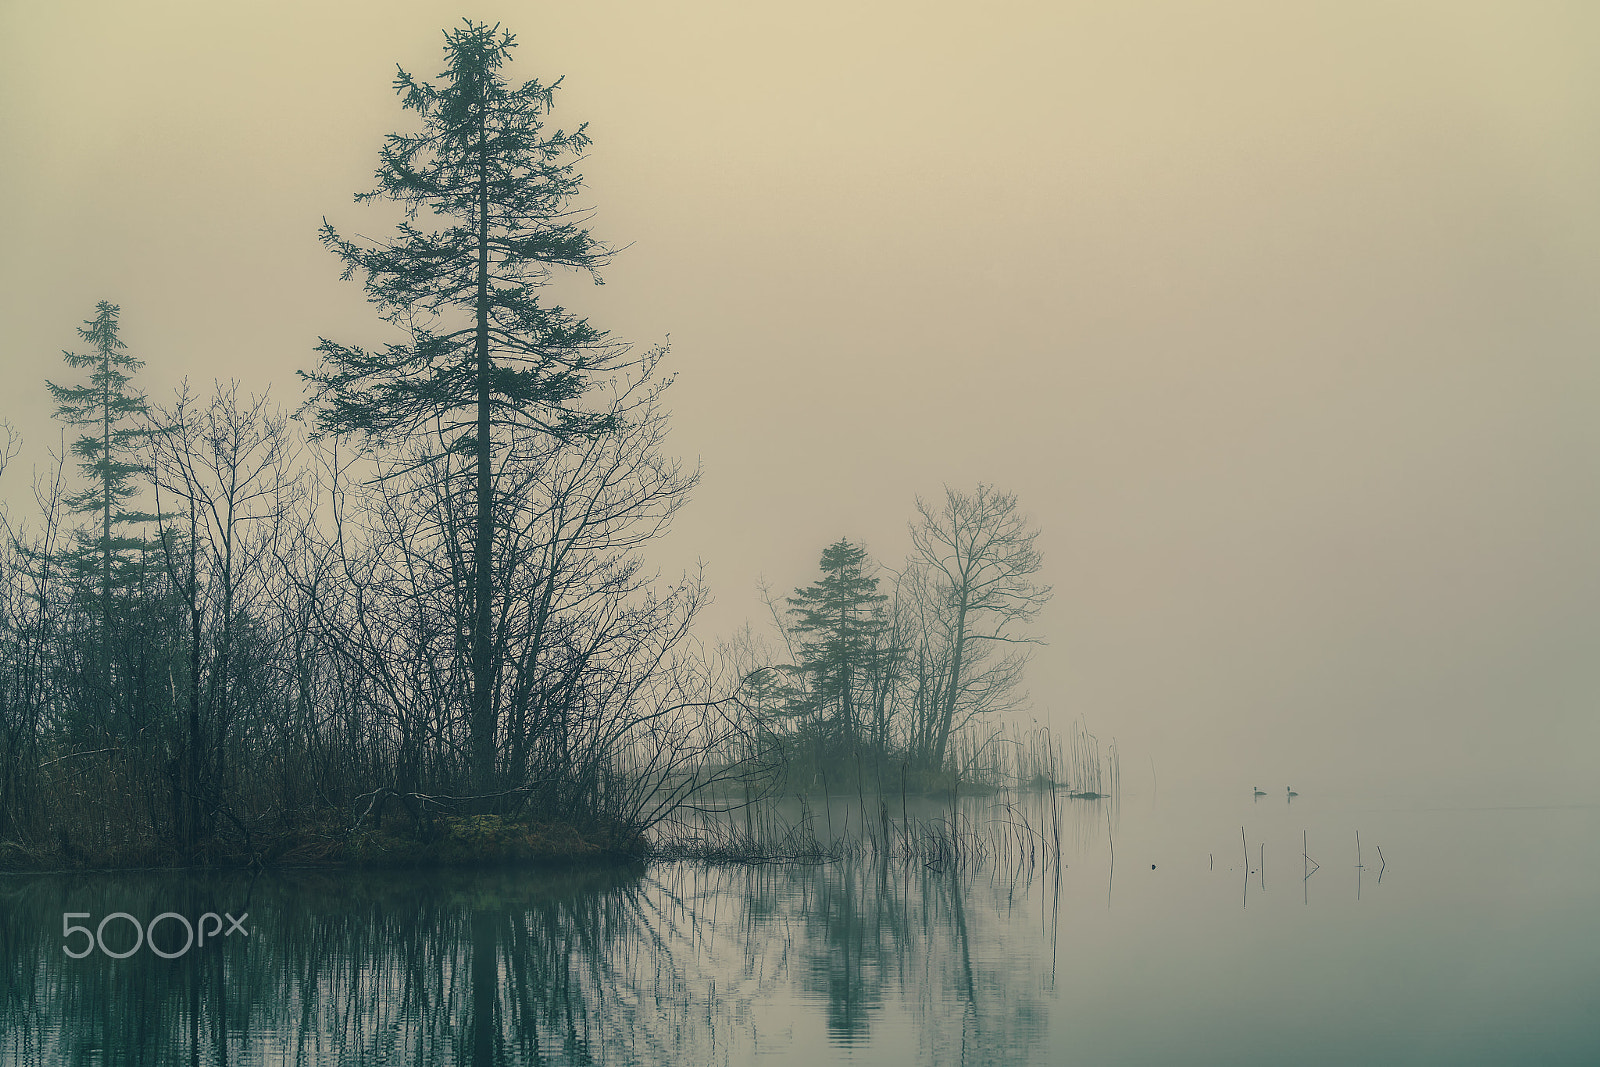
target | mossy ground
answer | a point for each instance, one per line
(321, 841)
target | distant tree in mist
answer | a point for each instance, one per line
(896, 675)
(836, 621)
(976, 557)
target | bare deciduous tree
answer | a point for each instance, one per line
(600, 709)
(232, 466)
(977, 560)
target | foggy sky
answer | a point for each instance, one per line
(1280, 319)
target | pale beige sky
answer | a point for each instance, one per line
(1280, 318)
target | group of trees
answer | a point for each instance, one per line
(434, 596)
(892, 668)
(232, 630)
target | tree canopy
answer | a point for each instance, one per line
(488, 192)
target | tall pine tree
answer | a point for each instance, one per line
(483, 357)
(109, 455)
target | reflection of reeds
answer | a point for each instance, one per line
(952, 841)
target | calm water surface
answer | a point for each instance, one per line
(1473, 938)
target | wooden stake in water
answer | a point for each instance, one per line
(955, 811)
(1112, 871)
(1358, 864)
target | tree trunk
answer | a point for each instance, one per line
(483, 1026)
(947, 712)
(192, 831)
(105, 531)
(482, 724)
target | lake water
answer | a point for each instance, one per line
(1473, 937)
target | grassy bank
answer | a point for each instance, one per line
(712, 812)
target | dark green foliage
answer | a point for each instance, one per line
(109, 455)
(110, 618)
(487, 169)
(838, 621)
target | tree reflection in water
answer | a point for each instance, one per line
(683, 963)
